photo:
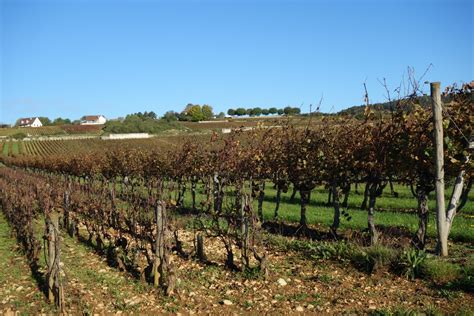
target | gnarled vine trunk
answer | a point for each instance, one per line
(53, 272)
(305, 196)
(375, 189)
(419, 240)
(261, 196)
(337, 213)
(277, 201)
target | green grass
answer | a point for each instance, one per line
(440, 271)
(7, 245)
(16, 273)
(391, 211)
(5, 149)
(15, 149)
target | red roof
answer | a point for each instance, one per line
(26, 120)
(91, 117)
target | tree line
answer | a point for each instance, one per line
(257, 111)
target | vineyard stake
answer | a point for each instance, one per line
(439, 164)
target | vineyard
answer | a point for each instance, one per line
(49, 147)
(320, 218)
(52, 130)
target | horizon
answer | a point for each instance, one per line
(75, 58)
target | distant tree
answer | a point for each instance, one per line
(188, 107)
(221, 115)
(280, 111)
(265, 111)
(207, 112)
(248, 111)
(61, 121)
(195, 112)
(183, 117)
(185, 114)
(152, 115)
(296, 111)
(170, 116)
(145, 115)
(45, 121)
(139, 123)
(272, 110)
(231, 112)
(256, 111)
(287, 110)
(240, 111)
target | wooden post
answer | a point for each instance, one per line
(439, 163)
(244, 232)
(200, 251)
(55, 289)
(159, 245)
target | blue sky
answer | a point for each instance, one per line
(70, 58)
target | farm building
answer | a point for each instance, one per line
(29, 122)
(93, 120)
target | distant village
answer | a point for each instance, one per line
(39, 122)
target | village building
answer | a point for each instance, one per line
(29, 122)
(93, 120)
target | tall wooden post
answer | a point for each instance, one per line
(439, 163)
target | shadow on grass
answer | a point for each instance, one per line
(40, 278)
(104, 252)
(288, 230)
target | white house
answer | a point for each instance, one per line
(30, 122)
(93, 120)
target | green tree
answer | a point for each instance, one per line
(256, 111)
(231, 112)
(288, 110)
(240, 111)
(45, 121)
(295, 110)
(265, 111)
(280, 111)
(170, 116)
(272, 110)
(61, 121)
(195, 112)
(207, 112)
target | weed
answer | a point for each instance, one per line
(316, 299)
(381, 312)
(372, 258)
(252, 273)
(411, 262)
(172, 309)
(325, 278)
(299, 297)
(466, 280)
(334, 251)
(450, 295)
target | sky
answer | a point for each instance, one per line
(72, 58)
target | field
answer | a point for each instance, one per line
(186, 223)
(51, 130)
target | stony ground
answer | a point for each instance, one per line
(294, 285)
